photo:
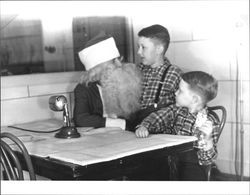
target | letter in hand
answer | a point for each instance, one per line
(206, 141)
(207, 128)
(141, 132)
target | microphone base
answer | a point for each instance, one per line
(67, 132)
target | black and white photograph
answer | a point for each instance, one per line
(125, 97)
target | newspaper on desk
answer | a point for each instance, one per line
(94, 145)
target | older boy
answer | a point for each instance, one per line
(189, 116)
(153, 43)
(160, 79)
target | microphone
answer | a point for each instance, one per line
(59, 103)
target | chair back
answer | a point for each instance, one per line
(10, 163)
(213, 110)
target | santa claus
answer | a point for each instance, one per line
(109, 91)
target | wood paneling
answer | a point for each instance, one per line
(85, 28)
(21, 47)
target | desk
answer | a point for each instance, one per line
(99, 154)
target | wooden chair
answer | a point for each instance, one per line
(222, 120)
(10, 163)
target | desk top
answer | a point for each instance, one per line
(94, 145)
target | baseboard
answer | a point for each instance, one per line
(220, 176)
(228, 167)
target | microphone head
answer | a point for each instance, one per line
(56, 103)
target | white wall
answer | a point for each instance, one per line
(210, 36)
(25, 98)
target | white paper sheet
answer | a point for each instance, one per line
(94, 145)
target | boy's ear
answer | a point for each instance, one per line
(160, 48)
(196, 98)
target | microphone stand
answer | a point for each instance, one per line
(67, 131)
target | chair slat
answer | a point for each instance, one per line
(15, 162)
(10, 153)
(222, 120)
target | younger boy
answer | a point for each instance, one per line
(189, 116)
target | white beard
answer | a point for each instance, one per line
(121, 90)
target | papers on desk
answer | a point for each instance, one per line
(43, 125)
(30, 139)
(94, 145)
(113, 144)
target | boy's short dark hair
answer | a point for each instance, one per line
(156, 32)
(202, 83)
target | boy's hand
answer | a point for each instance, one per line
(141, 132)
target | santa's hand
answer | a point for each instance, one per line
(207, 128)
(141, 132)
(111, 122)
(112, 115)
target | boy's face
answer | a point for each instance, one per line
(184, 96)
(147, 50)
